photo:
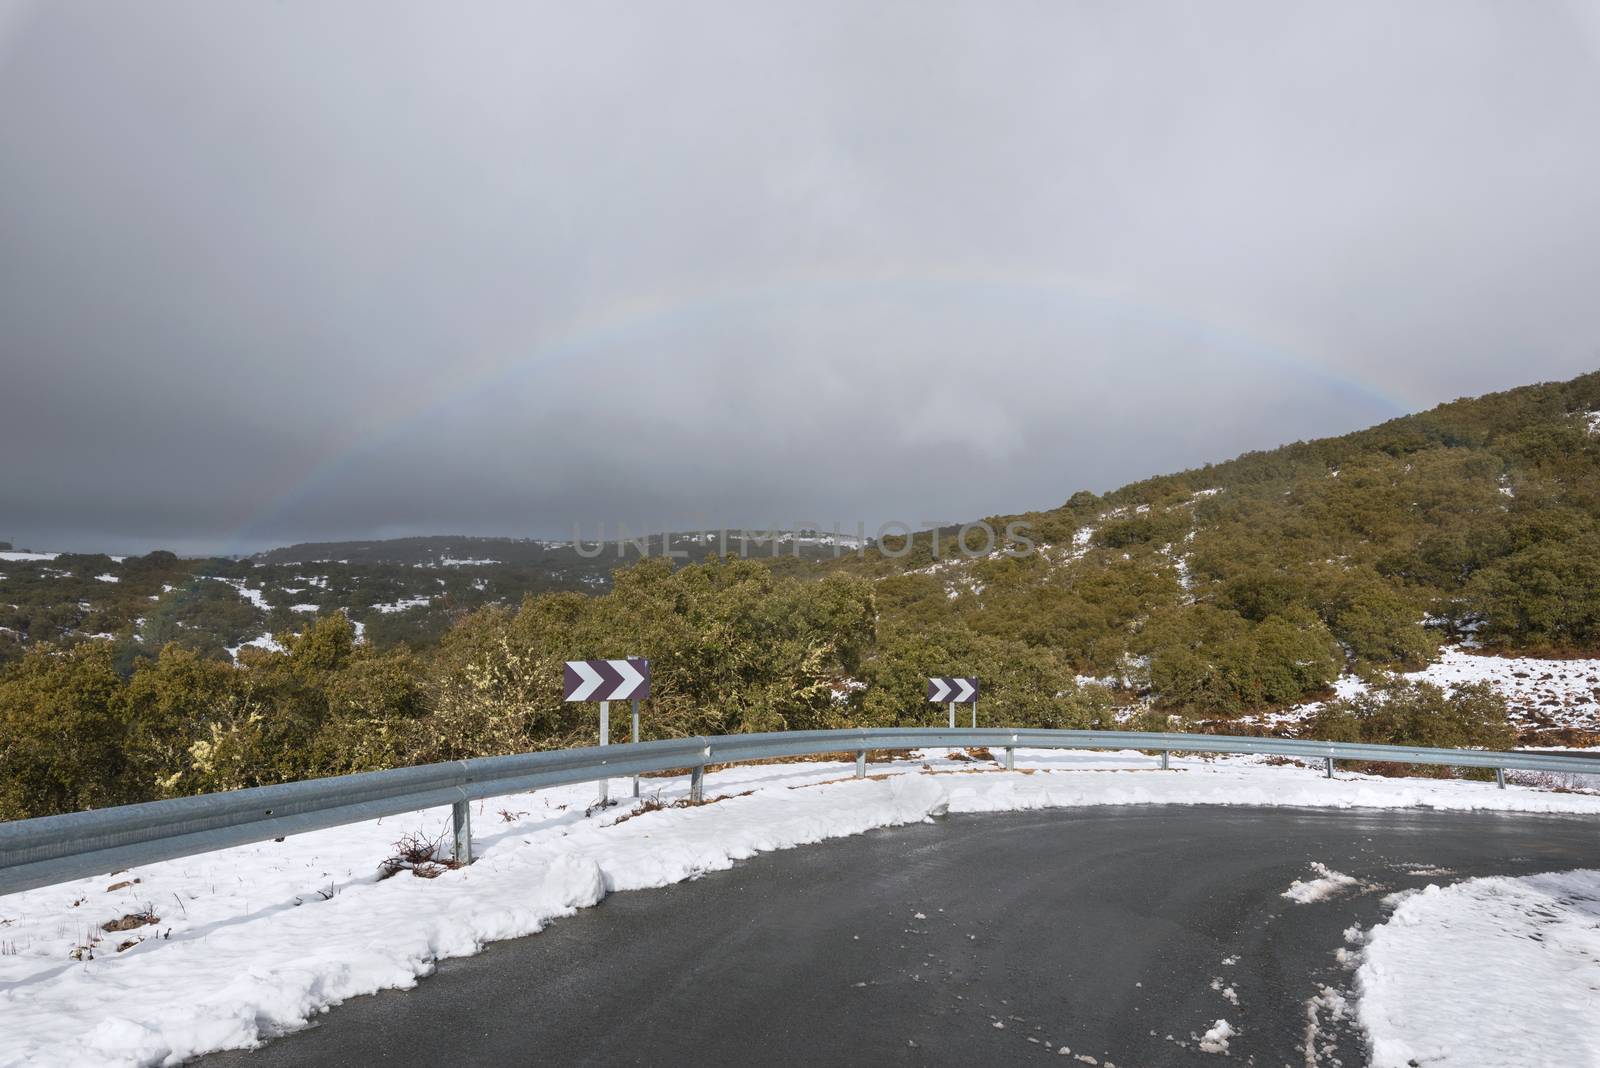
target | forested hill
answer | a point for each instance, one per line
(1258, 580)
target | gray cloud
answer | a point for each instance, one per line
(272, 272)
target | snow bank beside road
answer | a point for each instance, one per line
(249, 941)
(287, 938)
(1487, 972)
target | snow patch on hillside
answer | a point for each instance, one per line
(255, 597)
(404, 604)
(265, 641)
(1541, 694)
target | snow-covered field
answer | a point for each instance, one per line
(1496, 971)
(218, 951)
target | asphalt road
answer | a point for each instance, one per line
(1100, 929)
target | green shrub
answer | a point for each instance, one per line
(1398, 712)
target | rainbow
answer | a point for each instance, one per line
(638, 320)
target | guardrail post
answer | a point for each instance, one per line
(1164, 765)
(861, 763)
(697, 783)
(1500, 777)
(1011, 755)
(1327, 767)
(461, 823)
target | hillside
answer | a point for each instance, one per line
(1259, 581)
(1309, 589)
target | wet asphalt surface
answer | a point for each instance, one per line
(1098, 929)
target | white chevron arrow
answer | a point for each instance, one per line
(941, 690)
(966, 691)
(631, 678)
(591, 680)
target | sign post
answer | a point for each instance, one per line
(606, 681)
(636, 741)
(956, 690)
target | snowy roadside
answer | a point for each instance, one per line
(1487, 972)
(244, 943)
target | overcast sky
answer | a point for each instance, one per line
(278, 271)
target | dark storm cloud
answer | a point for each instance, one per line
(272, 272)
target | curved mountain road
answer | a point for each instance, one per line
(1122, 933)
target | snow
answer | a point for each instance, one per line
(1216, 1039)
(450, 561)
(255, 597)
(403, 604)
(305, 608)
(257, 939)
(1540, 693)
(9, 554)
(1486, 972)
(1327, 883)
(107, 578)
(1327, 1006)
(265, 641)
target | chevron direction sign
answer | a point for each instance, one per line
(606, 680)
(958, 690)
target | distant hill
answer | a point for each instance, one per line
(396, 590)
(566, 557)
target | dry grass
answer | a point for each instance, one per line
(85, 949)
(654, 803)
(1575, 737)
(143, 918)
(420, 855)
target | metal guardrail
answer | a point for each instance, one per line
(51, 849)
